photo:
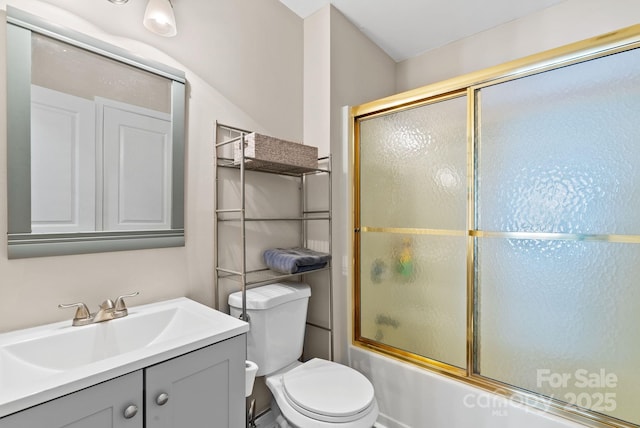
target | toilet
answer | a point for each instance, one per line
(314, 394)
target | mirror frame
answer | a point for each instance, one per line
(21, 242)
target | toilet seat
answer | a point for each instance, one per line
(328, 392)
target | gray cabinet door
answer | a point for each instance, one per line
(100, 406)
(202, 389)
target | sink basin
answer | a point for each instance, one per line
(45, 362)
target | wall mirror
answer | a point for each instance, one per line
(95, 144)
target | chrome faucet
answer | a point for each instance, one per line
(107, 311)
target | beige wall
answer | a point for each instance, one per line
(250, 51)
(360, 72)
(567, 22)
(342, 67)
(30, 289)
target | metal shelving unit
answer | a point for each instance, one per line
(238, 214)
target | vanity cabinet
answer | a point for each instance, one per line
(100, 406)
(202, 388)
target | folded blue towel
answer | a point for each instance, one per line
(295, 260)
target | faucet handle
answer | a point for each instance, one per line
(107, 304)
(120, 306)
(82, 316)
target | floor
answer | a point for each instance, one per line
(266, 420)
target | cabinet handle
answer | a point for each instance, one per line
(162, 399)
(130, 411)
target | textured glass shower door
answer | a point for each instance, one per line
(413, 231)
(496, 229)
(558, 252)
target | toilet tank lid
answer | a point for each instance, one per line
(271, 295)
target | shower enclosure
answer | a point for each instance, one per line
(496, 228)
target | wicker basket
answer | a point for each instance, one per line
(262, 150)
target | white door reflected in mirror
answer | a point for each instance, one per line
(95, 144)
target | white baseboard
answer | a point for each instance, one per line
(385, 421)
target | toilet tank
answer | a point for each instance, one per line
(277, 317)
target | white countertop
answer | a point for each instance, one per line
(42, 363)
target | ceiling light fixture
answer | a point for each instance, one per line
(159, 18)
(118, 1)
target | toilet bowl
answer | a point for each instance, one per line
(314, 394)
(323, 394)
